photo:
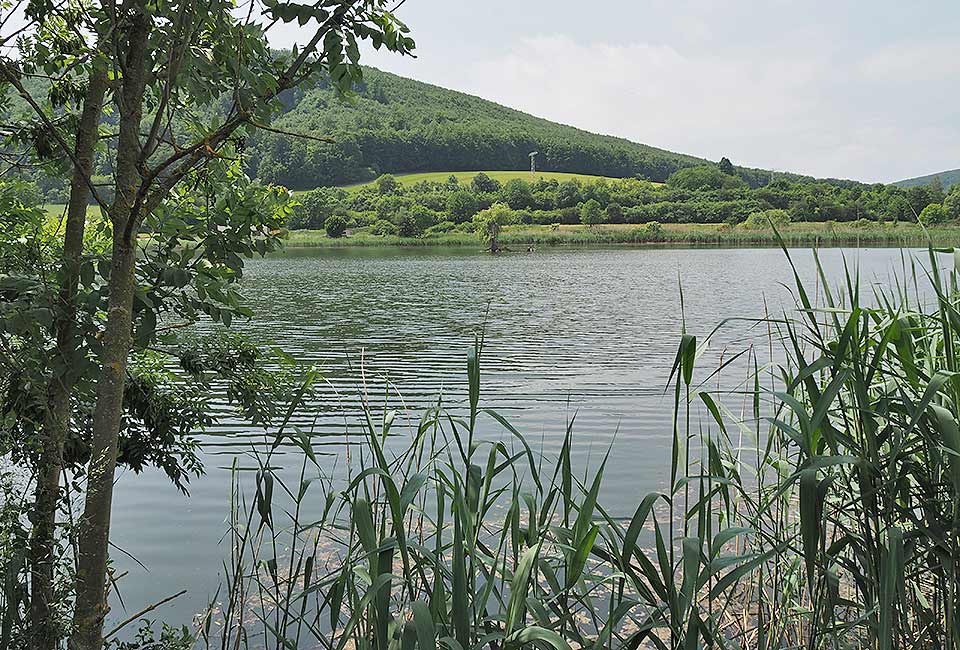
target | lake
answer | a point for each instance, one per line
(585, 333)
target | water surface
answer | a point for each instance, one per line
(584, 333)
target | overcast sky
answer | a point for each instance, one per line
(867, 89)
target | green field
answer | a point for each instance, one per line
(501, 176)
(57, 210)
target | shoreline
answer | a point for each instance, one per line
(630, 235)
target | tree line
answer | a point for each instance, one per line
(703, 194)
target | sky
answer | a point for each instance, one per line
(866, 89)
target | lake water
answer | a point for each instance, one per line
(586, 332)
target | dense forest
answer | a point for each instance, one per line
(711, 193)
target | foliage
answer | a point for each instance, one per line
(462, 205)
(383, 227)
(951, 204)
(934, 214)
(14, 563)
(387, 184)
(79, 329)
(487, 223)
(548, 200)
(590, 213)
(413, 222)
(335, 226)
(773, 218)
(705, 177)
(314, 207)
(484, 184)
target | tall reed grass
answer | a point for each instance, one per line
(825, 515)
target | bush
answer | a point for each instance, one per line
(414, 221)
(707, 177)
(765, 218)
(387, 184)
(614, 213)
(653, 231)
(382, 227)
(934, 214)
(440, 228)
(524, 216)
(590, 213)
(335, 225)
(517, 194)
(462, 205)
(314, 208)
(483, 184)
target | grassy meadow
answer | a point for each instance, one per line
(58, 210)
(499, 176)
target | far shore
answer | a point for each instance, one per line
(524, 236)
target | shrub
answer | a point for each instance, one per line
(335, 225)
(590, 213)
(483, 183)
(517, 194)
(653, 231)
(934, 214)
(313, 208)
(462, 205)
(765, 218)
(524, 216)
(387, 184)
(440, 228)
(569, 216)
(407, 225)
(382, 227)
(614, 213)
(706, 177)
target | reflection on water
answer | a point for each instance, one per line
(590, 334)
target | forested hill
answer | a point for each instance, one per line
(398, 125)
(948, 179)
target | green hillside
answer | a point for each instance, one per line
(499, 176)
(948, 179)
(398, 125)
(401, 126)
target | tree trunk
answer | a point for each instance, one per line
(94, 535)
(44, 632)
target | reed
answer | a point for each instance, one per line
(825, 515)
